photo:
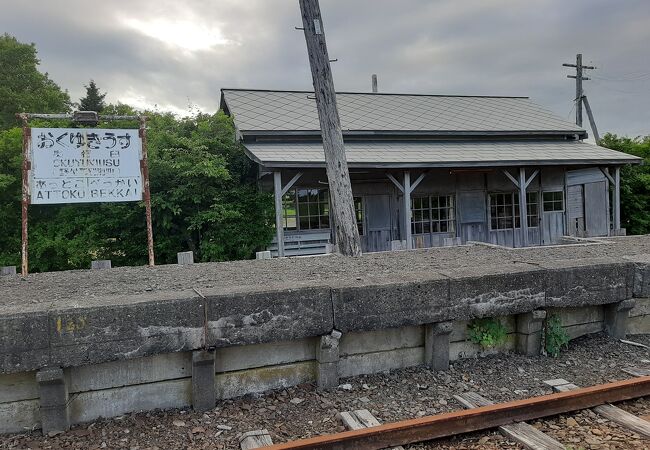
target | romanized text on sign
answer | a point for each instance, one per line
(81, 165)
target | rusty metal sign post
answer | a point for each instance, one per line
(124, 184)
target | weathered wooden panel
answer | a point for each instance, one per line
(596, 223)
(378, 222)
(552, 178)
(552, 227)
(472, 207)
(575, 211)
(582, 176)
(473, 232)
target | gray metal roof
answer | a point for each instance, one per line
(466, 153)
(277, 111)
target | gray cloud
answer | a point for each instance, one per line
(497, 47)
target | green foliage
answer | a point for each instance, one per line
(93, 101)
(635, 183)
(203, 197)
(22, 87)
(555, 337)
(487, 332)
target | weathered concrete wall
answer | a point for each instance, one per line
(639, 321)
(164, 381)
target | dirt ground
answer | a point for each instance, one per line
(302, 411)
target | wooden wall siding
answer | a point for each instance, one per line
(596, 222)
(552, 227)
(575, 211)
(378, 227)
(472, 215)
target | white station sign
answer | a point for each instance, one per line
(83, 165)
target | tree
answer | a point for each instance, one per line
(635, 182)
(22, 87)
(93, 101)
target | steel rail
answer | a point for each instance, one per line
(450, 424)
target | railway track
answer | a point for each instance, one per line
(365, 432)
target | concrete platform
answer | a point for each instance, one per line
(76, 318)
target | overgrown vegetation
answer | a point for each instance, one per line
(203, 189)
(555, 336)
(487, 332)
(635, 182)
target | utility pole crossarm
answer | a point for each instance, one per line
(338, 176)
(579, 92)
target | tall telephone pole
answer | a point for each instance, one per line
(338, 176)
(580, 96)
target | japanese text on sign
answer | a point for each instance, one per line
(72, 165)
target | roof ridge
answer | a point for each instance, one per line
(298, 91)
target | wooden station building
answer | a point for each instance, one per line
(430, 170)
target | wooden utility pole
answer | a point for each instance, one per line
(374, 83)
(342, 210)
(580, 96)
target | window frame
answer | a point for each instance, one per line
(321, 207)
(553, 201)
(511, 201)
(430, 219)
(360, 213)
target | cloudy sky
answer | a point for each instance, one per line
(171, 53)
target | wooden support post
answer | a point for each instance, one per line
(590, 116)
(617, 198)
(27, 137)
(338, 176)
(279, 226)
(146, 193)
(407, 209)
(523, 207)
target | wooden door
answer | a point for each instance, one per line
(596, 223)
(575, 211)
(378, 223)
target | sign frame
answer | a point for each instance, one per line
(27, 166)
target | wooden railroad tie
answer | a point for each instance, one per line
(637, 371)
(360, 419)
(520, 432)
(255, 439)
(609, 412)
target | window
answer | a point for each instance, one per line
(433, 214)
(532, 205)
(553, 201)
(306, 209)
(358, 212)
(504, 210)
(501, 211)
(289, 214)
